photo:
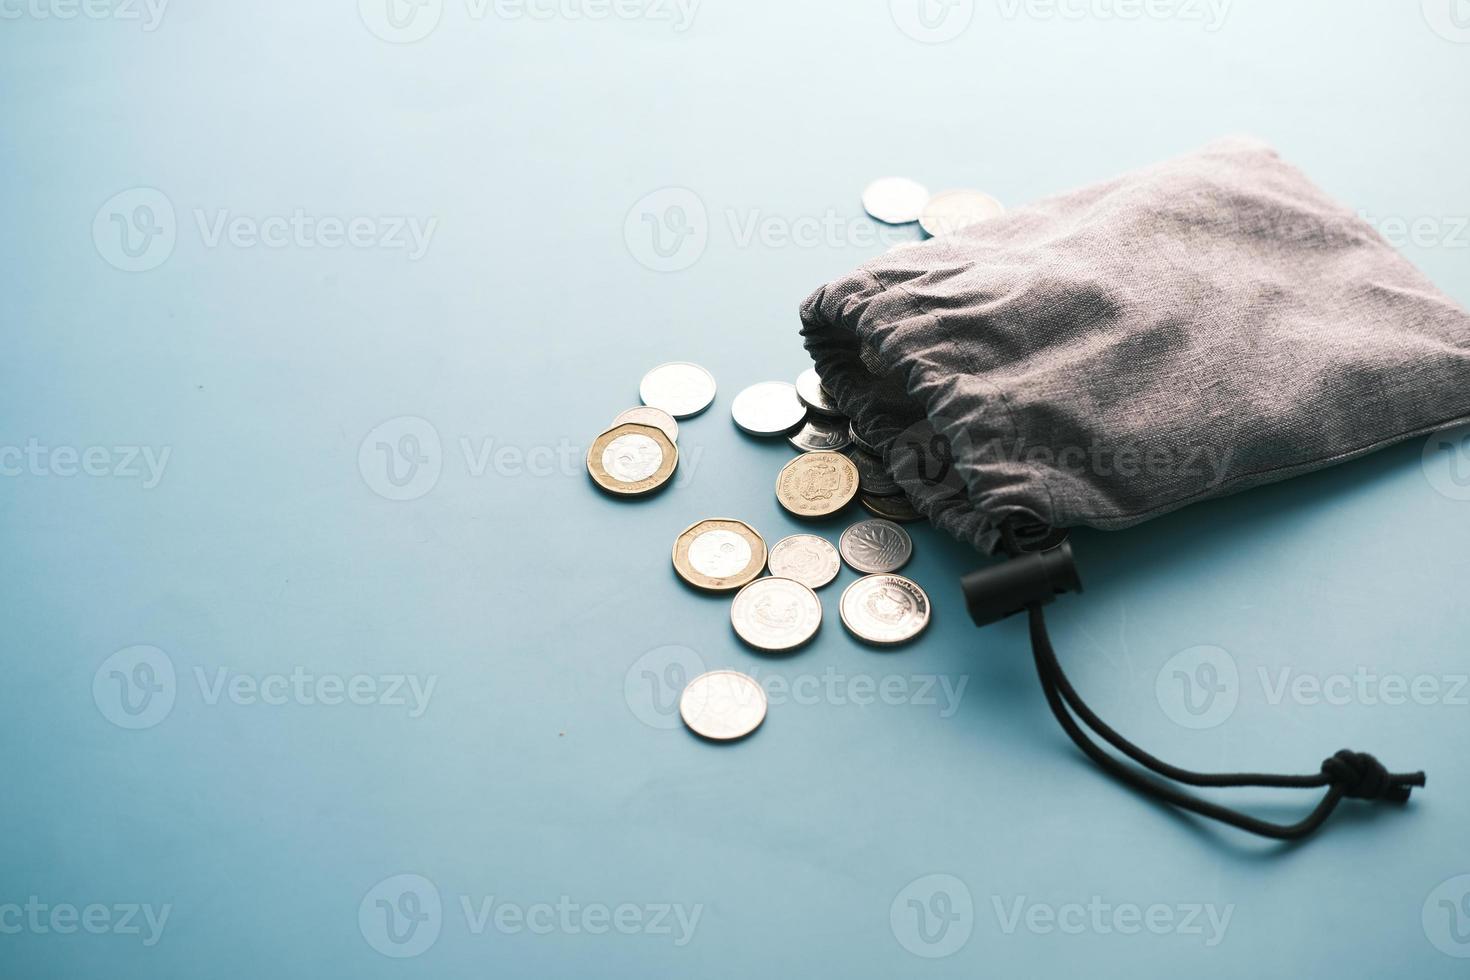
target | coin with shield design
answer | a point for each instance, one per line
(806, 558)
(885, 610)
(817, 484)
(776, 614)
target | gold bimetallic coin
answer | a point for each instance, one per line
(631, 460)
(817, 484)
(720, 555)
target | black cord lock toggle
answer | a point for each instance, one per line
(1013, 586)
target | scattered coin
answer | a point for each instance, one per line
(807, 559)
(815, 396)
(776, 614)
(873, 476)
(895, 200)
(679, 388)
(863, 444)
(631, 460)
(719, 555)
(817, 484)
(951, 211)
(771, 408)
(723, 705)
(656, 417)
(822, 435)
(896, 508)
(876, 547)
(885, 609)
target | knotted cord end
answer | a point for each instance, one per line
(1362, 777)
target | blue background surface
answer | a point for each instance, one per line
(545, 767)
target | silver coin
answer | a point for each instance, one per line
(885, 609)
(807, 559)
(951, 211)
(815, 396)
(770, 408)
(679, 388)
(776, 614)
(821, 435)
(895, 200)
(876, 547)
(647, 415)
(861, 443)
(723, 705)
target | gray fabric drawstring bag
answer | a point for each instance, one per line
(1186, 331)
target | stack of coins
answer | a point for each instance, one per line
(779, 612)
(639, 452)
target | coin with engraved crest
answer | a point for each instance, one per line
(885, 610)
(876, 547)
(719, 555)
(679, 388)
(723, 705)
(630, 460)
(822, 435)
(776, 614)
(656, 417)
(807, 559)
(817, 484)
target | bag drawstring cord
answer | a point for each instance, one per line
(1347, 774)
